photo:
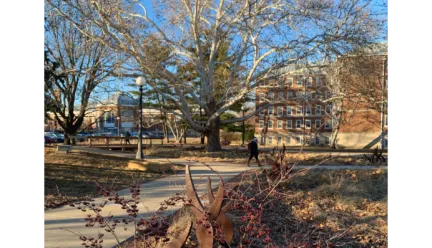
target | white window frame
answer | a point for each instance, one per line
(270, 110)
(280, 82)
(261, 97)
(290, 111)
(301, 124)
(280, 96)
(299, 140)
(310, 123)
(300, 82)
(270, 124)
(327, 140)
(317, 139)
(279, 140)
(261, 113)
(280, 113)
(328, 124)
(290, 94)
(308, 107)
(288, 140)
(279, 124)
(316, 124)
(318, 110)
(309, 82)
(270, 140)
(328, 109)
(318, 81)
(289, 124)
(290, 82)
(261, 124)
(271, 96)
(299, 108)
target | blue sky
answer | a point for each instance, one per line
(122, 84)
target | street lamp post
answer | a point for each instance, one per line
(243, 126)
(140, 81)
(118, 126)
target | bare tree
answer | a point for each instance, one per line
(82, 65)
(256, 31)
(357, 86)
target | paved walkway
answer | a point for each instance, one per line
(152, 194)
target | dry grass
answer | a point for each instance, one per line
(72, 177)
(329, 208)
(241, 156)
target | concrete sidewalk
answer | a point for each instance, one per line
(152, 194)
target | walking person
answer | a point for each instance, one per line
(253, 149)
(127, 136)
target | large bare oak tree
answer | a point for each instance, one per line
(256, 32)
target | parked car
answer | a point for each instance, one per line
(52, 136)
(80, 137)
(59, 137)
(159, 136)
(49, 140)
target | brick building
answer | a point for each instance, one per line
(300, 113)
(297, 114)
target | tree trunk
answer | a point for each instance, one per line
(66, 139)
(334, 138)
(202, 138)
(213, 137)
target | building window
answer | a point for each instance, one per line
(327, 140)
(299, 110)
(271, 97)
(386, 120)
(289, 124)
(261, 123)
(317, 140)
(279, 140)
(280, 82)
(270, 124)
(328, 108)
(261, 113)
(309, 95)
(318, 124)
(318, 81)
(318, 110)
(280, 96)
(298, 123)
(269, 140)
(290, 95)
(261, 97)
(327, 95)
(299, 94)
(270, 110)
(308, 110)
(299, 81)
(288, 140)
(309, 82)
(308, 124)
(288, 110)
(299, 140)
(290, 82)
(328, 124)
(279, 124)
(279, 111)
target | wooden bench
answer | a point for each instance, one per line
(64, 148)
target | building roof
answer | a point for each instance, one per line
(120, 98)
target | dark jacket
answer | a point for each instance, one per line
(253, 147)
